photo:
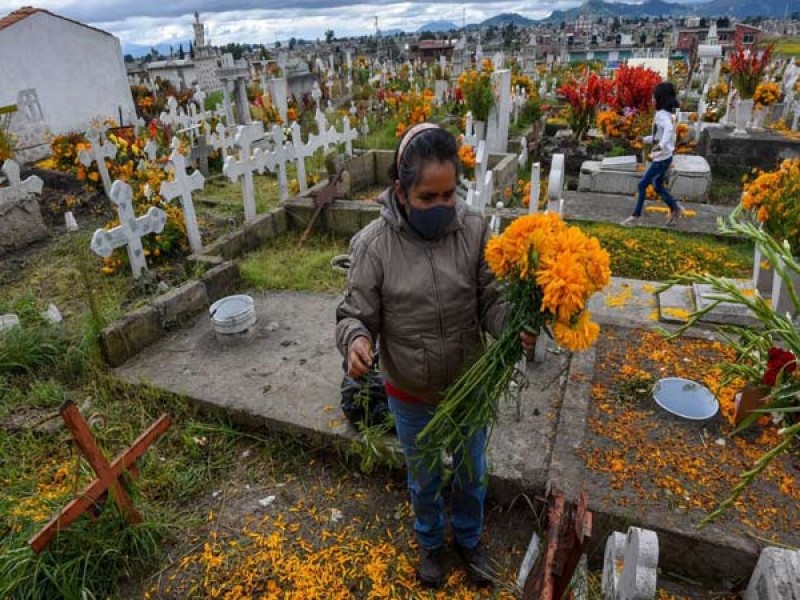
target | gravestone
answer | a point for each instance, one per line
(200, 152)
(246, 164)
(481, 194)
(781, 296)
(724, 313)
(279, 95)
(523, 153)
(29, 128)
(182, 187)
(536, 184)
(619, 163)
(630, 566)
(98, 153)
(441, 91)
(131, 229)
(555, 185)
(276, 160)
(499, 114)
(21, 221)
(776, 576)
(222, 140)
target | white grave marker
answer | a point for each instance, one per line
(536, 186)
(130, 230)
(776, 576)
(276, 159)
(630, 568)
(247, 163)
(98, 153)
(17, 189)
(182, 187)
(555, 185)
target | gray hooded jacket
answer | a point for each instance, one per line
(427, 301)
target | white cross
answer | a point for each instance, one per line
(130, 230)
(316, 93)
(183, 186)
(555, 185)
(301, 152)
(365, 127)
(277, 159)
(171, 117)
(484, 180)
(348, 136)
(322, 123)
(221, 140)
(18, 189)
(470, 137)
(98, 153)
(247, 163)
(523, 155)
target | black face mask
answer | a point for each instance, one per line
(431, 223)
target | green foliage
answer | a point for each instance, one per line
(658, 254)
(281, 265)
(617, 151)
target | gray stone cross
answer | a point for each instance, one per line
(18, 189)
(221, 140)
(98, 153)
(182, 187)
(130, 230)
(200, 152)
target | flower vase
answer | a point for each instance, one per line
(480, 130)
(744, 110)
(759, 115)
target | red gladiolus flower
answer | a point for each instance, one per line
(779, 361)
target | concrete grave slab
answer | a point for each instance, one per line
(724, 313)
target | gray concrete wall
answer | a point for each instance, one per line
(764, 150)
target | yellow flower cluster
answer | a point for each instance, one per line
(767, 94)
(615, 125)
(566, 265)
(774, 198)
(718, 92)
(467, 156)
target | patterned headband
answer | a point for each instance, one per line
(412, 133)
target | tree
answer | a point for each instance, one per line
(181, 55)
(129, 58)
(292, 43)
(427, 35)
(191, 49)
(329, 35)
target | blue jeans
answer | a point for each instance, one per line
(655, 175)
(468, 484)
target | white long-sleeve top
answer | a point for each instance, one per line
(663, 138)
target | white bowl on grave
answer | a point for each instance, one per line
(685, 398)
(233, 315)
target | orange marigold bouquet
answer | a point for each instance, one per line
(548, 271)
(772, 199)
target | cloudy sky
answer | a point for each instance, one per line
(148, 22)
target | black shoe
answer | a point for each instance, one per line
(430, 571)
(479, 565)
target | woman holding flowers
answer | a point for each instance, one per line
(663, 140)
(419, 283)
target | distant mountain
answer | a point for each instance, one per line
(394, 31)
(438, 26)
(745, 8)
(506, 18)
(739, 9)
(138, 51)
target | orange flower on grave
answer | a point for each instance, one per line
(400, 130)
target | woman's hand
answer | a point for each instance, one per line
(528, 340)
(359, 358)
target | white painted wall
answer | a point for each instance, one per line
(78, 73)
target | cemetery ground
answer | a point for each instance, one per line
(203, 521)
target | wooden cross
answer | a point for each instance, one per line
(108, 475)
(183, 186)
(130, 230)
(18, 189)
(98, 153)
(247, 163)
(569, 528)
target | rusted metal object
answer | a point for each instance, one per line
(322, 198)
(569, 528)
(93, 498)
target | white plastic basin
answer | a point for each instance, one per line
(685, 398)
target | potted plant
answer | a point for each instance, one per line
(747, 67)
(767, 94)
(478, 95)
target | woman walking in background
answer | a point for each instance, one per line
(663, 140)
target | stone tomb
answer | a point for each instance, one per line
(21, 221)
(690, 177)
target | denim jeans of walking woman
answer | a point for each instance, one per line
(656, 174)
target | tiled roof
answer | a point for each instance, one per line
(27, 11)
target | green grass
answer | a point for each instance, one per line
(659, 255)
(222, 198)
(787, 46)
(380, 137)
(281, 265)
